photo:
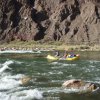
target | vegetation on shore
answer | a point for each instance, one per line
(49, 46)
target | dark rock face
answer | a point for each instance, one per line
(70, 21)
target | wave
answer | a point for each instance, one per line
(11, 86)
(23, 95)
(5, 66)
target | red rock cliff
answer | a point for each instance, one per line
(70, 21)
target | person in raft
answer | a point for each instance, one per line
(71, 55)
(65, 54)
(57, 53)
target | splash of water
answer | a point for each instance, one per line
(23, 95)
(5, 66)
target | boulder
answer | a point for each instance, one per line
(25, 80)
(80, 85)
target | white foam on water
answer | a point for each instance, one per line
(37, 51)
(22, 95)
(59, 90)
(5, 66)
(16, 51)
(72, 90)
(9, 82)
(54, 63)
(93, 61)
(11, 86)
(63, 65)
(18, 62)
(55, 72)
(26, 95)
(18, 76)
(8, 62)
(6, 85)
(3, 96)
(20, 51)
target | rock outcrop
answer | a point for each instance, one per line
(69, 21)
(81, 86)
(25, 80)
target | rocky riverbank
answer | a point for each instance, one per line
(47, 47)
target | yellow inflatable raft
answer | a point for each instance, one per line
(69, 57)
(73, 57)
(52, 57)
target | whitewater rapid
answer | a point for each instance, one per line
(11, 87)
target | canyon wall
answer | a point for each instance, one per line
(69, 21)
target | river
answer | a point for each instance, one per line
(46, 76)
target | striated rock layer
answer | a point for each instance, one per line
(69, 21)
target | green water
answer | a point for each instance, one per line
(48, 76)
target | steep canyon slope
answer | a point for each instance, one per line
(69, 21)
